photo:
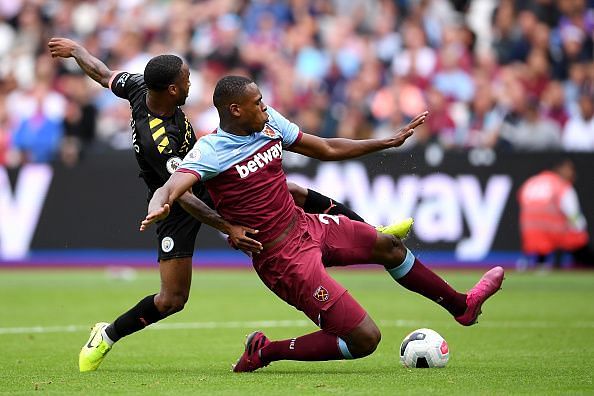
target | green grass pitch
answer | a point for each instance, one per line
(535, 337)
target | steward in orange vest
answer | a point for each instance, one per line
(550, 215)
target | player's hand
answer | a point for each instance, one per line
(154, 216)
(240, 240)
(408, 130)
(62, 47)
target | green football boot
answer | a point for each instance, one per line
(94, 351)
(400, 229)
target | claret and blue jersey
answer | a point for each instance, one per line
(244, 174)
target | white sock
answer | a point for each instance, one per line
(106, 337)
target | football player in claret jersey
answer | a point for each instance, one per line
(241, 166)
(161, 137)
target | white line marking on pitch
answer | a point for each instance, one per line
(294, 323)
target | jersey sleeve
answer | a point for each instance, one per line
(290, 132)
(126, 85)
(201, 161)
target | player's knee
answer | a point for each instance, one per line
(368, 342)
(389, 251)
(171, 303)
(373, 339)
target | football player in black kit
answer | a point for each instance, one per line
(161, 137)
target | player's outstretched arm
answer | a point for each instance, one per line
(93, 67)
(340, 149)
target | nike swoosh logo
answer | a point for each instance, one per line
(89, 345)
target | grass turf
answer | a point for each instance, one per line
(535, 337)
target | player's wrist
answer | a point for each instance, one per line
(388, 143)
(76, 51)
(225, 227)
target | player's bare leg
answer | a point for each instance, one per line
(176, 277)
(364, 339)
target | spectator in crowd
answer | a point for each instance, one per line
(400, 96)
(578, 134)
(225, 54)
(553, 103)
(573, 34)
(364, 60)
(386, 38)
(525, 129)
(79, 120)
(551, 221)
(509, 42)
(39, 114)
(451, 80)
(440, 126)
(484, 122)
(573, 86)
(535, 73)
(417, 61)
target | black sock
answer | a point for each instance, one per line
(141, 315)
(318, 203)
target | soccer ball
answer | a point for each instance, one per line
(424, 348)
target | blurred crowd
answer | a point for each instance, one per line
(502, 75)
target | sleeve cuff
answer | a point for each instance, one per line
(190, 171)
(113, 76)
(299, 136)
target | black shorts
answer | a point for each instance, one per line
(176, 234)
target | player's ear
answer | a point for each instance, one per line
(172, 89)
(234, 109)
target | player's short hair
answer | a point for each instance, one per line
(162, 71)
(229, 89)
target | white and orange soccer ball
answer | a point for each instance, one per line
(424, 348)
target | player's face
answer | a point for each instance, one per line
(254, 115)
(183, 85)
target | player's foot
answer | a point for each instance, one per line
(489, 284)
(94, 351)
(250, 360)
(399, 229)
